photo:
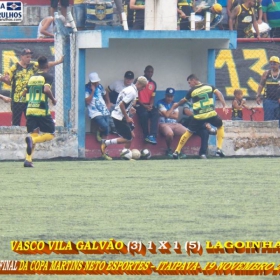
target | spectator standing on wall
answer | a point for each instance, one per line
(270, 82)
(18, 76)
(271, 15)
(184, 9)
(139, 15)
(46, 27)
(258, 11)
(113, 91)
(204, 111)
(145, 108)
(242, 18)
(231, 4)
(97, 108)
(64, 5)
(129, 14)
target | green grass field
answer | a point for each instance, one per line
(217, 199)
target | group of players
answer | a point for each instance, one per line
(31, 91)
(37, 93)
(203, 111)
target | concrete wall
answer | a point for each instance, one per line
(13, 146)
(251, 138)
(241, 139)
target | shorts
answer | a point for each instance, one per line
(124, 129)
(63, 3)
(44, 123)
(171, 129)
(195, 125)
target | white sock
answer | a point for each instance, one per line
(110, 142)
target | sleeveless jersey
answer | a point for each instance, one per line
(244, 22)
(237, 113)
(271, 86)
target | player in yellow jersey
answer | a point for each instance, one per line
(38, 93)
(203, 111)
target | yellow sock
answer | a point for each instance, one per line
(183, 140)
(43, 138)
(28, 157)
(220, 137)
(33, 136)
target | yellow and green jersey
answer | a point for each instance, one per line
(36, 98)
(203, 102)
(19, 78)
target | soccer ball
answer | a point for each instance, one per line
(145, 154)
(135, 154)
(126, 154)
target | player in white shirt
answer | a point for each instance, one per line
(123, 122)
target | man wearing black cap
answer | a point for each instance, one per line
(18, 76)
(168, 115)
(113, 91)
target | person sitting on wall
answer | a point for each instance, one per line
(97, 108)
(46, 28)
(168, 116)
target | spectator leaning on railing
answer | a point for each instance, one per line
(242, 19)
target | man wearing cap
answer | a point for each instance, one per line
(18, 76)
(97, 108)
(215, 13)
(270, 82)
(116, 87)
(168, 115)
(113, 91)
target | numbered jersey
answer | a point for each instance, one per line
(203, 102)
(36, 98)
(128, 97)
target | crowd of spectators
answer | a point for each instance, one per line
(251, 18)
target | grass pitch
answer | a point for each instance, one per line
(219, 199)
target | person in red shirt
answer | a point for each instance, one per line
(146, 111)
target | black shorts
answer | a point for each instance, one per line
(195, 125)
(45, 124)
(63, 3)
(124, 129)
